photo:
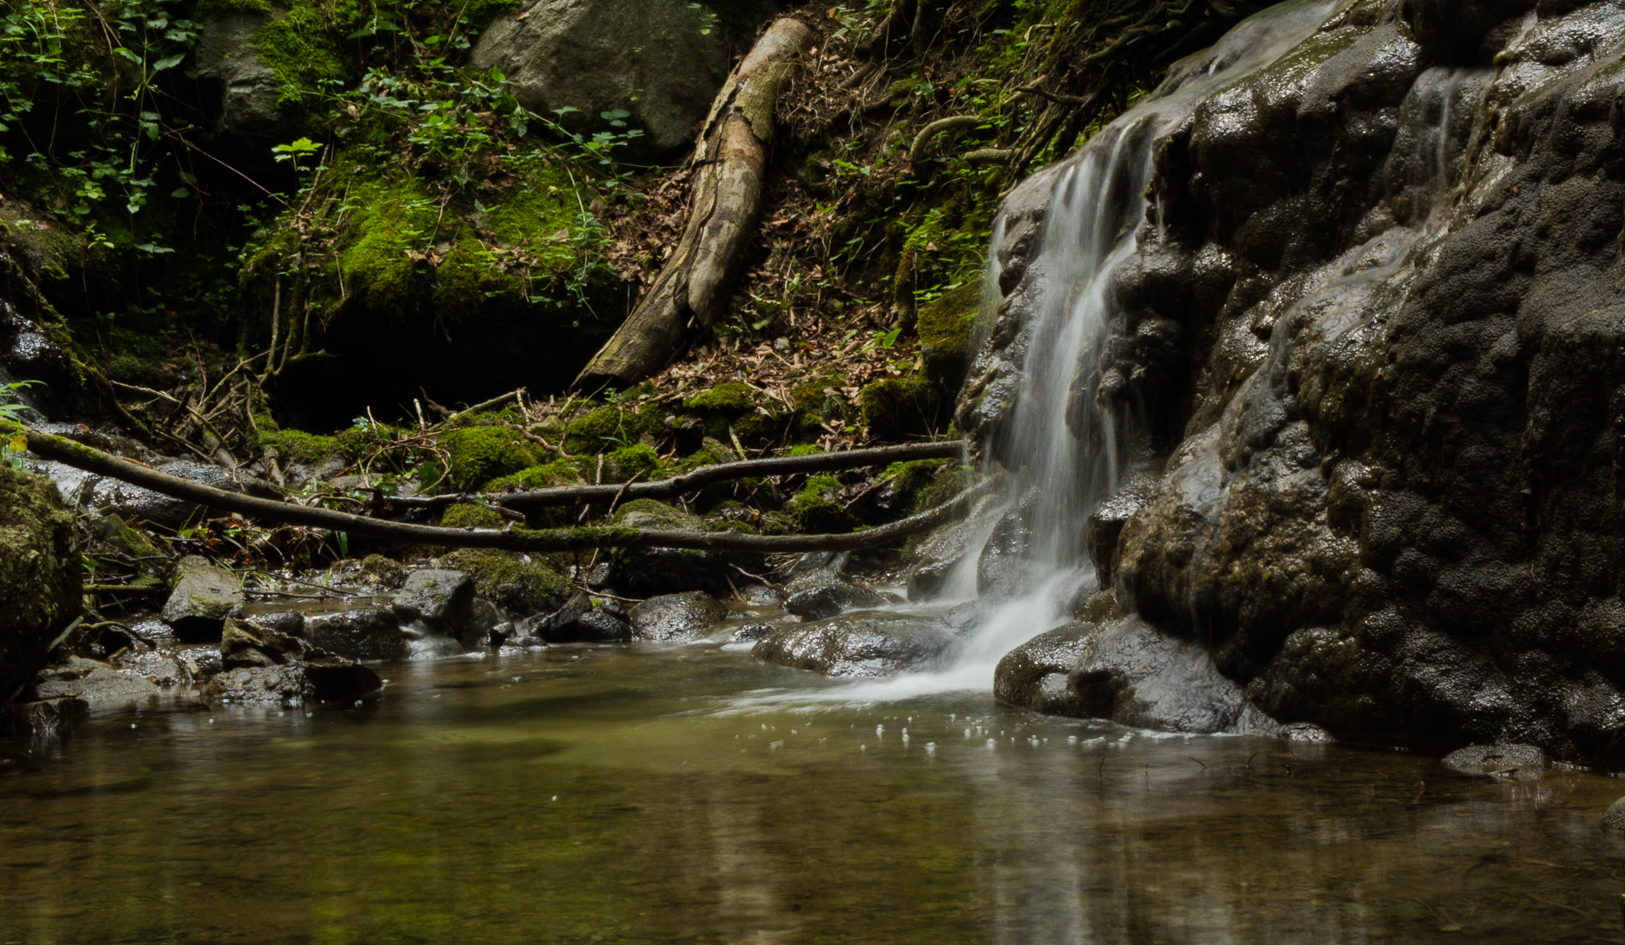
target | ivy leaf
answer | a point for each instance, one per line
(168, 62)
(120, 50)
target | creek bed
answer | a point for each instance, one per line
(690, 795)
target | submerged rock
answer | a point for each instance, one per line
(44, 718)
(676, 617)
(1523, 762)
(204, 597)
(40, 576)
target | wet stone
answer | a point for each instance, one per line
(859, 647)
(45, 717)
(370, 633)
(438, 602)
(676, 617)
(100, 686)
(203, 598)
(1520, 762)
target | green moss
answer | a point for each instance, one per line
(652, 513)
(900, 408)
(472, 515)
(299, 446)
(926, 483)
(560, 472)
(806, 450)
(208, 8)
(504, 578)
(301, 48)
(817, 507)
(945, 328)
(731, 399)
(477, 455)
(710, 453)
(633, 460)
(599, 431)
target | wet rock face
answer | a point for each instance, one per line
(1375, 328)
(40, 575)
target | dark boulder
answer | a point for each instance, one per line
(438, 602)
(675, 618)
(369, 633)
(1129, 673)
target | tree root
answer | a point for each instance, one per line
(508, 539)
(957, 123)
(700, 478)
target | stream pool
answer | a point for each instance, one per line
(691, 795)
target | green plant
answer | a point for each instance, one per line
(11, 411)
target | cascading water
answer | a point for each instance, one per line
(1063, 450)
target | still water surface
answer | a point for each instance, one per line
(691, 795)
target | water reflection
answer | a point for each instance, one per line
(602, 795)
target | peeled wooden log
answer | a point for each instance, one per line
(725, 209)
(512, 538)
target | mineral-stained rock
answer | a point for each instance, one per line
(676, 617)
(40, 575)
(204, 597)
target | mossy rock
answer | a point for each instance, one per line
(611, 427)
(946, 328)
(635, 460)
(900, 408)
(560, 472)
(41, 576)
(926, 483)
(730, 399)
(306, 448)
(818, 508)
(476, 455)
(521, 587)
(472, 515)
(652, 513)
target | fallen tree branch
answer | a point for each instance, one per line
(724, 209)
(512, 538)
(700, 478)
